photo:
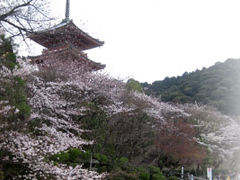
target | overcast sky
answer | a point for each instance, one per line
(151, 39)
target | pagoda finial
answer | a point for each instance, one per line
(67, 13)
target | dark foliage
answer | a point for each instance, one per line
(7, 56)
(12, 88)
(218, 85)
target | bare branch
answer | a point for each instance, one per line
(23, 16)
(14, 10)
(16, 26)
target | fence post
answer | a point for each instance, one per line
(191, 177)
(182, 172)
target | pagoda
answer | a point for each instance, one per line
(65, 44)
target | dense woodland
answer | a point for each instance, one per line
(218, 86)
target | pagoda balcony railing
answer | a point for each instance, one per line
(63, 48)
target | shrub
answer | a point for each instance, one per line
(158, 177)
(74, 154)
(172, 178)
(71, 157)
(10, 169)
(122, 175)
(1, 175)
(102, 169)
(103, 159)
(156, 173)
(154, 170)
(123, 162)
(143, 174)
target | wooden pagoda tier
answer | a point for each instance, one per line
(65, 44)
(66, 56)
(65, 33)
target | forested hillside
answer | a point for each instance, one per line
(218, 86)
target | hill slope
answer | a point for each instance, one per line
(218, 85)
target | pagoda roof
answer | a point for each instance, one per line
(65, 32)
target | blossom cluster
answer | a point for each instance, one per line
(157, 108)
(54, 131)
(218, 132)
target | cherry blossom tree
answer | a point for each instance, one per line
(175, 139)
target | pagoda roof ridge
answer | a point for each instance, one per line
(61, 24)
(102, 42)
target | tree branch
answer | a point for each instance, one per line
(14, 10)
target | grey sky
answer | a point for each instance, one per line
(151, 39)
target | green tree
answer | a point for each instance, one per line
(134, 85)
(7, 55)
(12, 91)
